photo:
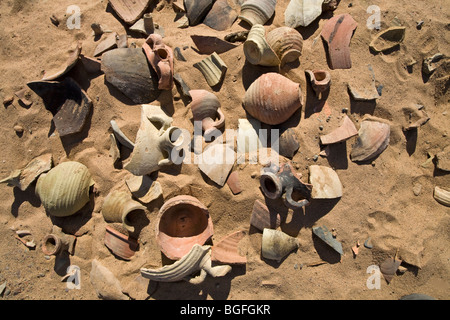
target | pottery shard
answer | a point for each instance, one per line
(302, 12)
(262, 218)
(144, 188)
(234, 183)
(227, 249)
(129, 11)
(217, 162)
(443, 159)
(337, 33)
(221, 16)
(373, 139)
(69, 104)
(325, 235)
(109, 43)
(128, 70)
(196, 10)
(325, 182)
(344, 132)
(105, 283)
(211, 44)
(70, 63)
(121, 245)
(388, 39)
(288, 143)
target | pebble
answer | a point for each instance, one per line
(18, 129)
(417, 189)
(8, 100)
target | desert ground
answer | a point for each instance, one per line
(389, 199)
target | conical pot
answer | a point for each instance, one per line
(276, 244)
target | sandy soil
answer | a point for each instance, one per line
(378, 197)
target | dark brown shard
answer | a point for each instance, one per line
(109, 43)
(130, 11)
(221, 16)
(91, 65)
(337, 33)
(211, 44)
(234, 183)
(128, 70)
(121, 245)
(288, 143)
(262, 218)
(389, 267)
(196, 10)
(68, 103)
(70, 63)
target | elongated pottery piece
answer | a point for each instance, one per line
(120, 244)
(286, 42)
(257, 50)
(205, 107)
(325, 235)
(114, 151)
(234, 182)
(160, 57)
(182, 222)
(261, 217)
(68, 103)
(197, 259)
(213, 69)
(57, 241)
(144, 188)
(363, 92)
(288, 143)
(227, 249)
(155, 140)
(337, 33)
(129, 11)
(286, 184)
(389, 267)
(64, 190)
(273, 98)
(109, 43)
(23, 178)
(325, 183)
(388, 39)
(221, 16)
(128, 70)
(276, 244)
(257, 11)
(211, 44)
(442, 196)
(71, 62)
(118, 206)
(320, 81)
(373, 139)
(302, 12)
(344, 132)
(196, 10)
(217, 162)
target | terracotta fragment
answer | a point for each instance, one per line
(288, 143)
(257, 50)
(160, 57)
(262, 218)
(276, 244)
(320, 81)
(325, 183)
(109, 43)
(257, 11)
(217, 162)
(120, 244)
(344, 132)
(205, 107)
(57, 242)
(144, 188)
(227, 249)
(211, 44)
(71, 61)
(213, 69)
(325, 235)
(337, 33)
(302, 12)
(389, 267)
(286, 42)
(234, 183)
(221, 16)
(182, 222)
(129, 11)
(22, 95)
(373, 139)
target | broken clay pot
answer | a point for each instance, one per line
(320, 81)
(276, 244)
(129, 11)
(227, 249)
(302, 12)
(205, 107)
(160, 57)
(257, 50)
(257, 11)
(120, 244)
(57, 242)
(373, 139)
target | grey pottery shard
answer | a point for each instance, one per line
(128, 70)
(129, 10)
(221, 16)
(196, 10)
(68, 103)
(325, 235)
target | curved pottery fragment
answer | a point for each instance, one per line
(118, 206)
(257, 50)
(129, 11)
(211, 44)
(288, 143)
(205, 107)
(160, 57)
(325, 183)
(182, 222)
(121, 245)
(286, 42)
(344, 132)
(23, 178)
(213, 69)
(388, 39)
(64, 190)
(327, 237)
(70, 63)
(197, 259)
(389, 267)
(227, 249)
(128, 70)
(442, 196)
(273, 98)
(276, 244)
(155, 140)
(373, 139)
(302, 12)
(196, 10)
(262, 218)
(337, 33)
(286, 184)
(221, 16)
(57, 241)
(257, 11)
(320, 81)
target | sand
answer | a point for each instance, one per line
(389, 199)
